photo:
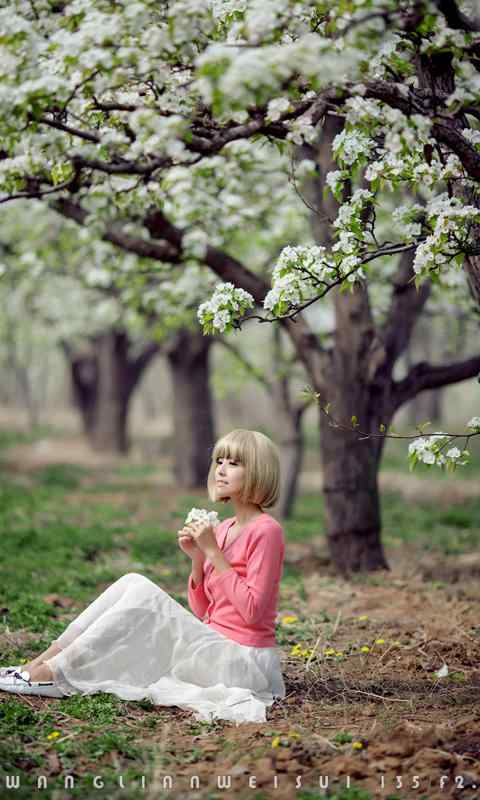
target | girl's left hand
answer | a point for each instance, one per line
(204, 537)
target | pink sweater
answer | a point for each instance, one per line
(241, 603)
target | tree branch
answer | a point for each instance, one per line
(52, 123)
(158, 250)
(455, 18)
(466, 152)
(32, 193)
(123, 167)
(107, 107)
(424, 376)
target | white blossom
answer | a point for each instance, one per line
(277, 107)
(474, 424)
(202, 515)
(226, 304)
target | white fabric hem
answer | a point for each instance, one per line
(138, 643)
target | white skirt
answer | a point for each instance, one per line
(137, 642)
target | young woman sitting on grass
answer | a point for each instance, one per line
(137, 642)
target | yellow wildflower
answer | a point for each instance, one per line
(293, 735)
(288, 620)
(379, 641)
(396, 644)
(329, 651)
(364, 649)
(296, 650)
(363, 617)
(339, 653)
(357, 745)
(276, 741)
(53, 735)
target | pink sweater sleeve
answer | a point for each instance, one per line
(197, 599)
(251, 595)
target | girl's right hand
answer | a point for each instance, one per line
(188, 545)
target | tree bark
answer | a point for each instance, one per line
(188, 357)
(350, 485)
(103, 381)
(109, 432)
(84, 378)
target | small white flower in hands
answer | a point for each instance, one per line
(199, 529)
(202, 515)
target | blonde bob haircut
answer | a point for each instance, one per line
(259, 456)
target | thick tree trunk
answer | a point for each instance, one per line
(188, 358)
(358, 386)
(103, 382)
(83, 373)
(109, 432)
(351, 497)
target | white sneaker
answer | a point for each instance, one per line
(9, 670)
(20, 683)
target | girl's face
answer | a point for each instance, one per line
(229, 477)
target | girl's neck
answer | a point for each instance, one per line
(244, 514)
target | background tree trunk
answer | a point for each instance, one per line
(103, 382)
(109, 432)
(194, 438)
(350, 489)
(83, 372)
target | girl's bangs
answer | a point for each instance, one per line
(229, 449)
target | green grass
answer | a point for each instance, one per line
(448, 529)
(9, 438)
